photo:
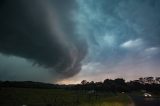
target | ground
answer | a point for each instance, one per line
(60, 97)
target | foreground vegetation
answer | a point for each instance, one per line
(59, 97)
(106, 93)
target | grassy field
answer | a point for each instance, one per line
(59, 97)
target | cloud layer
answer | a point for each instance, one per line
(108, 37)
(36, 30)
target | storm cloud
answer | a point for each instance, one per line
(85, 39)
(123, 38)
(41, 32)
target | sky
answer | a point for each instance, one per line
(67, 41)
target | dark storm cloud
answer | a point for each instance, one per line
(19, 69)
(41, 31)
(121, 36)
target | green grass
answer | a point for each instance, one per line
(59, 97)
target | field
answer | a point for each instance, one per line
(59, 97)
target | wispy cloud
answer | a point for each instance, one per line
(132, 43)
(152, 51)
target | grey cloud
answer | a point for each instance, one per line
(120, 30)
(51, 33)
(20, 69)
(34, 29)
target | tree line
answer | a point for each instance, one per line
(109, 85)
(116, 85)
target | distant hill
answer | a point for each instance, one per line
(27, 84)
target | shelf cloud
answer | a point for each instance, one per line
(33, 30)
